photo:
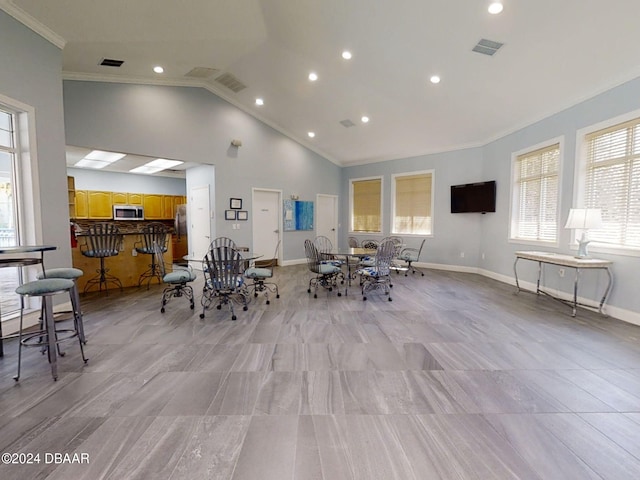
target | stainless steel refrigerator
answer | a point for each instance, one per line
(180, 236)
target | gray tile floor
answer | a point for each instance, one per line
(457, 378)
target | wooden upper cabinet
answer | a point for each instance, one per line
(168, 212)
(153, 206)
(119, 198)
(134, 198)
(82, 205)
(100, 205)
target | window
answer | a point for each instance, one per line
(534, 200)
(610, 181)
(9, 276)
(366, 205)
(413, 203)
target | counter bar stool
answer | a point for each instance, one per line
(45, 289)
(154, 233)
(69, 274)
(102, 240)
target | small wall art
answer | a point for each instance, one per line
(229, 214)
(242, 215)
(235, 203)
(298, 215)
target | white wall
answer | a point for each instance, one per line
(31, 74)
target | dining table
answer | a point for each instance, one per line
(21, 256)
(352, 252)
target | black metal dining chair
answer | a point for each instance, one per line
(152, 234)
(325, 274)
(378, 276)
(260, 276)
(176, 281)
(223, 269)
(102, 240)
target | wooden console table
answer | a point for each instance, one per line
(568, 261)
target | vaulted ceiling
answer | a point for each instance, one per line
(555, 54)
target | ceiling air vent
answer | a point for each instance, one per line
(110, 62)
(201, 72)
(231, 82)
(487, 47)
(347, 123)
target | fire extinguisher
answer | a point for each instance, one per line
(72, 231)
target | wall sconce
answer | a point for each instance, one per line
(294, 196)
(584, 219)
(236, 142)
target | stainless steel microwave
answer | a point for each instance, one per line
(128, 212)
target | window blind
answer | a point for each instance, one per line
(367, 197)
(536, 187)
(413, 204)
(613, 183)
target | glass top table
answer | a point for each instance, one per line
(21, 256)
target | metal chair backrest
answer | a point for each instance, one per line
(370, 244)
(384, 256)
(222, 242)
(397, 242)
(153, 233)
(225, 266)
(102, 240)
(323, 244)
(353, 242)
(313, 256)
(159, 254)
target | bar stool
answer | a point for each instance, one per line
(102, 240)
(154, 233)
(69, 274)
(46, 288)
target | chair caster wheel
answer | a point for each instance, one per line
(309, 290)
(234, 318)
(192, 306)
(162, 310)
(390, 286)
(245, 308)
(278, 296)
(255, 295)
(267, 302)
(364, 299)
(219, 307)
(339, 294)
(423, 274)
(202, 315)
(315, 295)
(390, 299)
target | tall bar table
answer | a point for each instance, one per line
(21, 256)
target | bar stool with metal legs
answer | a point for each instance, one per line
(69, 274)
(101, 241)
(48, 337)
(153, 234)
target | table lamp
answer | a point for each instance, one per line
(584, 219)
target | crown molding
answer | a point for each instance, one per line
(27, 20)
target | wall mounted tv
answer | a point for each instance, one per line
(473, 197)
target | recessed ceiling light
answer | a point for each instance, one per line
(259, 102)
(365, 119)
(313, 76)
(311, 134)
(156, 166)
(102, 156)
(158, 69)
(435, 79)
(346, 55)
(495, 8)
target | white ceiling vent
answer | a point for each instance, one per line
(201, 72)
(231, 82)
(487, 47)
(347, 123)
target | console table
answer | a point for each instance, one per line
(568, 261)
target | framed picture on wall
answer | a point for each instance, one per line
(229, 214)
(235, 203)
(242, 215)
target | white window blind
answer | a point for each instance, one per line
(366, 202)
(612, 183)
(413, 210)
(536, 195)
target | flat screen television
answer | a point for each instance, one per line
(473, 197)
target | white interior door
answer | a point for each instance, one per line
(266, 208)
(199, 221)
(327, 217)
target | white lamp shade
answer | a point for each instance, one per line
(584, 218)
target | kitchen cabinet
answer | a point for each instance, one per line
(71, 192)
(168, 210)
(153, 206)
(100, 205)
(134, 199)
(81, 205)
(119, 198)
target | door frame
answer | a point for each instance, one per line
(280, 224)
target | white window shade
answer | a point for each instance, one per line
(535, 213)
(612, 183)
(412, 204)
(366, 205)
